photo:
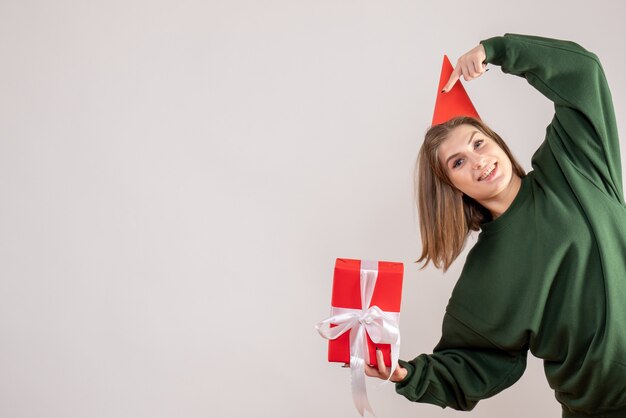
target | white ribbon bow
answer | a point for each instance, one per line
(381, 326)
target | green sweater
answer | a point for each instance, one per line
(549, 275)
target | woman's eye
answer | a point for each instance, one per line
(478, 143)
(457, 163)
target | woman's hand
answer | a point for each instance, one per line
(382, 372)
(471, 65)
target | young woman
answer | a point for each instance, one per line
(548, 271)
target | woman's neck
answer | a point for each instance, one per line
(499, 204)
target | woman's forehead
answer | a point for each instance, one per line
(458, 139)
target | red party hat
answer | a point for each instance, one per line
(454, 103)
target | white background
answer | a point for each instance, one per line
(178, 177)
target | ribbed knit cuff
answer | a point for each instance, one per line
(495, 49)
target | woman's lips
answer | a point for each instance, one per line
(491, 170)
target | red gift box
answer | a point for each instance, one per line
(347, 294)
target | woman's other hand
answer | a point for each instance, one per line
(382, 372)
(470, 65)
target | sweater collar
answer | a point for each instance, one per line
(503, 220)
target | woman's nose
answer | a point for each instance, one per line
(478, 161)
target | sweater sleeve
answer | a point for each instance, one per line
(573, 79)
(464, 368)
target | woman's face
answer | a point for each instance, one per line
(475, 164)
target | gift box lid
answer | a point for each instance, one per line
(347, 285)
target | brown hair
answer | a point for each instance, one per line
(446, 215)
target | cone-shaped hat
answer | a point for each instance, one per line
(454, 103)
